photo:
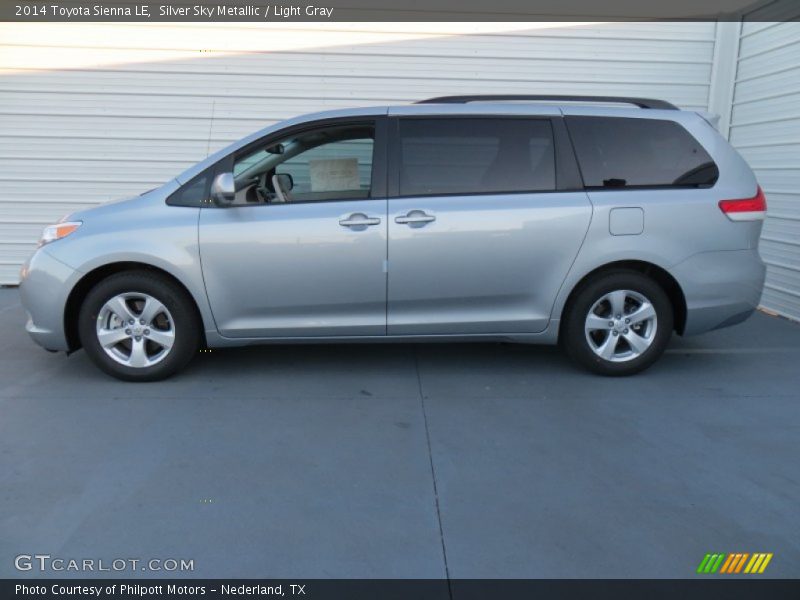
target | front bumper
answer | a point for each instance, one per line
(44, 289)
(721, 288)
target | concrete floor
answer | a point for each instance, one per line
(407, 461)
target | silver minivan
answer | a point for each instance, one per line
(600, 223)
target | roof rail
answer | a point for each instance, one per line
(640, 102)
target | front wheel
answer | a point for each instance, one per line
(139, 326)
(618, 323)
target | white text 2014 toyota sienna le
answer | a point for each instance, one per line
(536, 219)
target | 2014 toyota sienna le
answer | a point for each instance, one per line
(536, 219)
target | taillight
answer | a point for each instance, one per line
(745, 209)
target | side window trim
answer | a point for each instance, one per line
(379, 154)
(380, 158)
(568, 177)
(568, 174)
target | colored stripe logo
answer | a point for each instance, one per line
(734, 562)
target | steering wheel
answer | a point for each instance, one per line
(281, 195)
(264, 193)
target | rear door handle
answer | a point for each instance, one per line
(359, 220)
(415, 218)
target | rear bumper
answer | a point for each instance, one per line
(44, 288)
(721, 288)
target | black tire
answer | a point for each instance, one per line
(185, 324)
(574, 336)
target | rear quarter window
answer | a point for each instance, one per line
(620, 152)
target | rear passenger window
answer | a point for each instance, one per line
(619, 152)
(474, 156)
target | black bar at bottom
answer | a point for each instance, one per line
(412, 589)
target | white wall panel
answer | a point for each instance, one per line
(765, 128)
(92, 112)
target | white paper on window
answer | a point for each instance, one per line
(334, 174)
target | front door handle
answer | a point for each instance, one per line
(359, 220)
(415, 218)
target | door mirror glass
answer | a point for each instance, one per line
(223, 189)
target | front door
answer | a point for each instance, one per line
(302, 249)
(480, 235)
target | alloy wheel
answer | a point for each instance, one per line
(135, 330)
(621, 325)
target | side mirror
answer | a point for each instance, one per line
(223, 189)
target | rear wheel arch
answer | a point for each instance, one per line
(81, 289)
(658, 274)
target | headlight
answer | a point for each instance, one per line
(55, 232)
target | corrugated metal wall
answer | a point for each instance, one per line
(765, 128)
(92, 112)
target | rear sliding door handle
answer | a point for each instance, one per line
(359, 220)
(415, 218)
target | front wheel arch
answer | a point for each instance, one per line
(92, 278)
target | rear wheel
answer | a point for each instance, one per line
(618, 323)
(139, 326)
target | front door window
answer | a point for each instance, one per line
(326, 164)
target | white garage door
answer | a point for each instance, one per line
(92, 112)
(765, 128)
